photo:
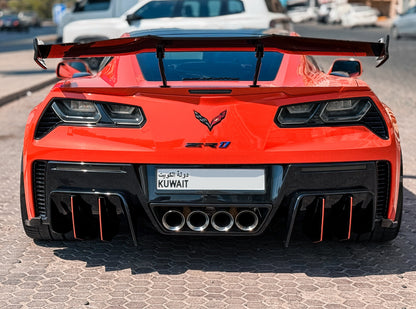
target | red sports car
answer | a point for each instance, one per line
(227, 133)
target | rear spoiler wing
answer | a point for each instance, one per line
(283, 43)
(286, 44)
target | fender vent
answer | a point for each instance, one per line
(39, 188)
(375, 123)
(47, 123)
(383, 188)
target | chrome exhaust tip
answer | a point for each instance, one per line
(173, 220)
(197, 221)
(246, 220)
(222, 221)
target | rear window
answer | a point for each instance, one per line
(210, 8)
(189, 8)
(157, 9)
(210, 65)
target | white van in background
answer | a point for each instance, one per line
(182, 14)
(92, 9)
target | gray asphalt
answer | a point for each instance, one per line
(15, 41)
(19, 74)
(165, 272)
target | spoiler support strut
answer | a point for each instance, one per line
(259, 56)
(160, 53)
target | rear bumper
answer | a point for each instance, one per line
(323, 200)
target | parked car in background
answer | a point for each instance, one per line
(405, 24)
(336, 11)
(13, 22)
(323, 12)
(359, 15)
(31, 18)
(91, 9)
(302, 14)
(182, 14)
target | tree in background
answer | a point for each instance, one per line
(3, 4)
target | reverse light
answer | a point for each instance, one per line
(296, 114)
(125, 114)
(81, 106)
(77, 111)
(345, 110)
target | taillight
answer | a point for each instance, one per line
(91, 113)
(349, 111)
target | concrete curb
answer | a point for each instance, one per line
(23, 92)
(37, 86)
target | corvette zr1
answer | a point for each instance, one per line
(211, 133)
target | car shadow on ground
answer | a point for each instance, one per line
(263, 254)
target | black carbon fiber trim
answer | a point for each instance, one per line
(47, 123)
(383, 189)
(39, 188)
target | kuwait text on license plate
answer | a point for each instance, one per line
(204, 179)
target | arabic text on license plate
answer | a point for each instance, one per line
(210, 179)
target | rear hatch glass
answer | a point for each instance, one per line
(210, 65)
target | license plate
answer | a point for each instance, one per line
(204, 179)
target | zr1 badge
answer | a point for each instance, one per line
(220, 145)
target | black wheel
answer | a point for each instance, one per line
(37, 231)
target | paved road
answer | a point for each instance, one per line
(166, 272)
(18, 72)
(15, 41)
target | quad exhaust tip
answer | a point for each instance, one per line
(173, 220)
(222, 221)
(197, 221)
(246, 220)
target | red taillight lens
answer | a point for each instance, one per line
(16, 23)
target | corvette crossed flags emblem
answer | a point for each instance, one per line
(214, 121)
